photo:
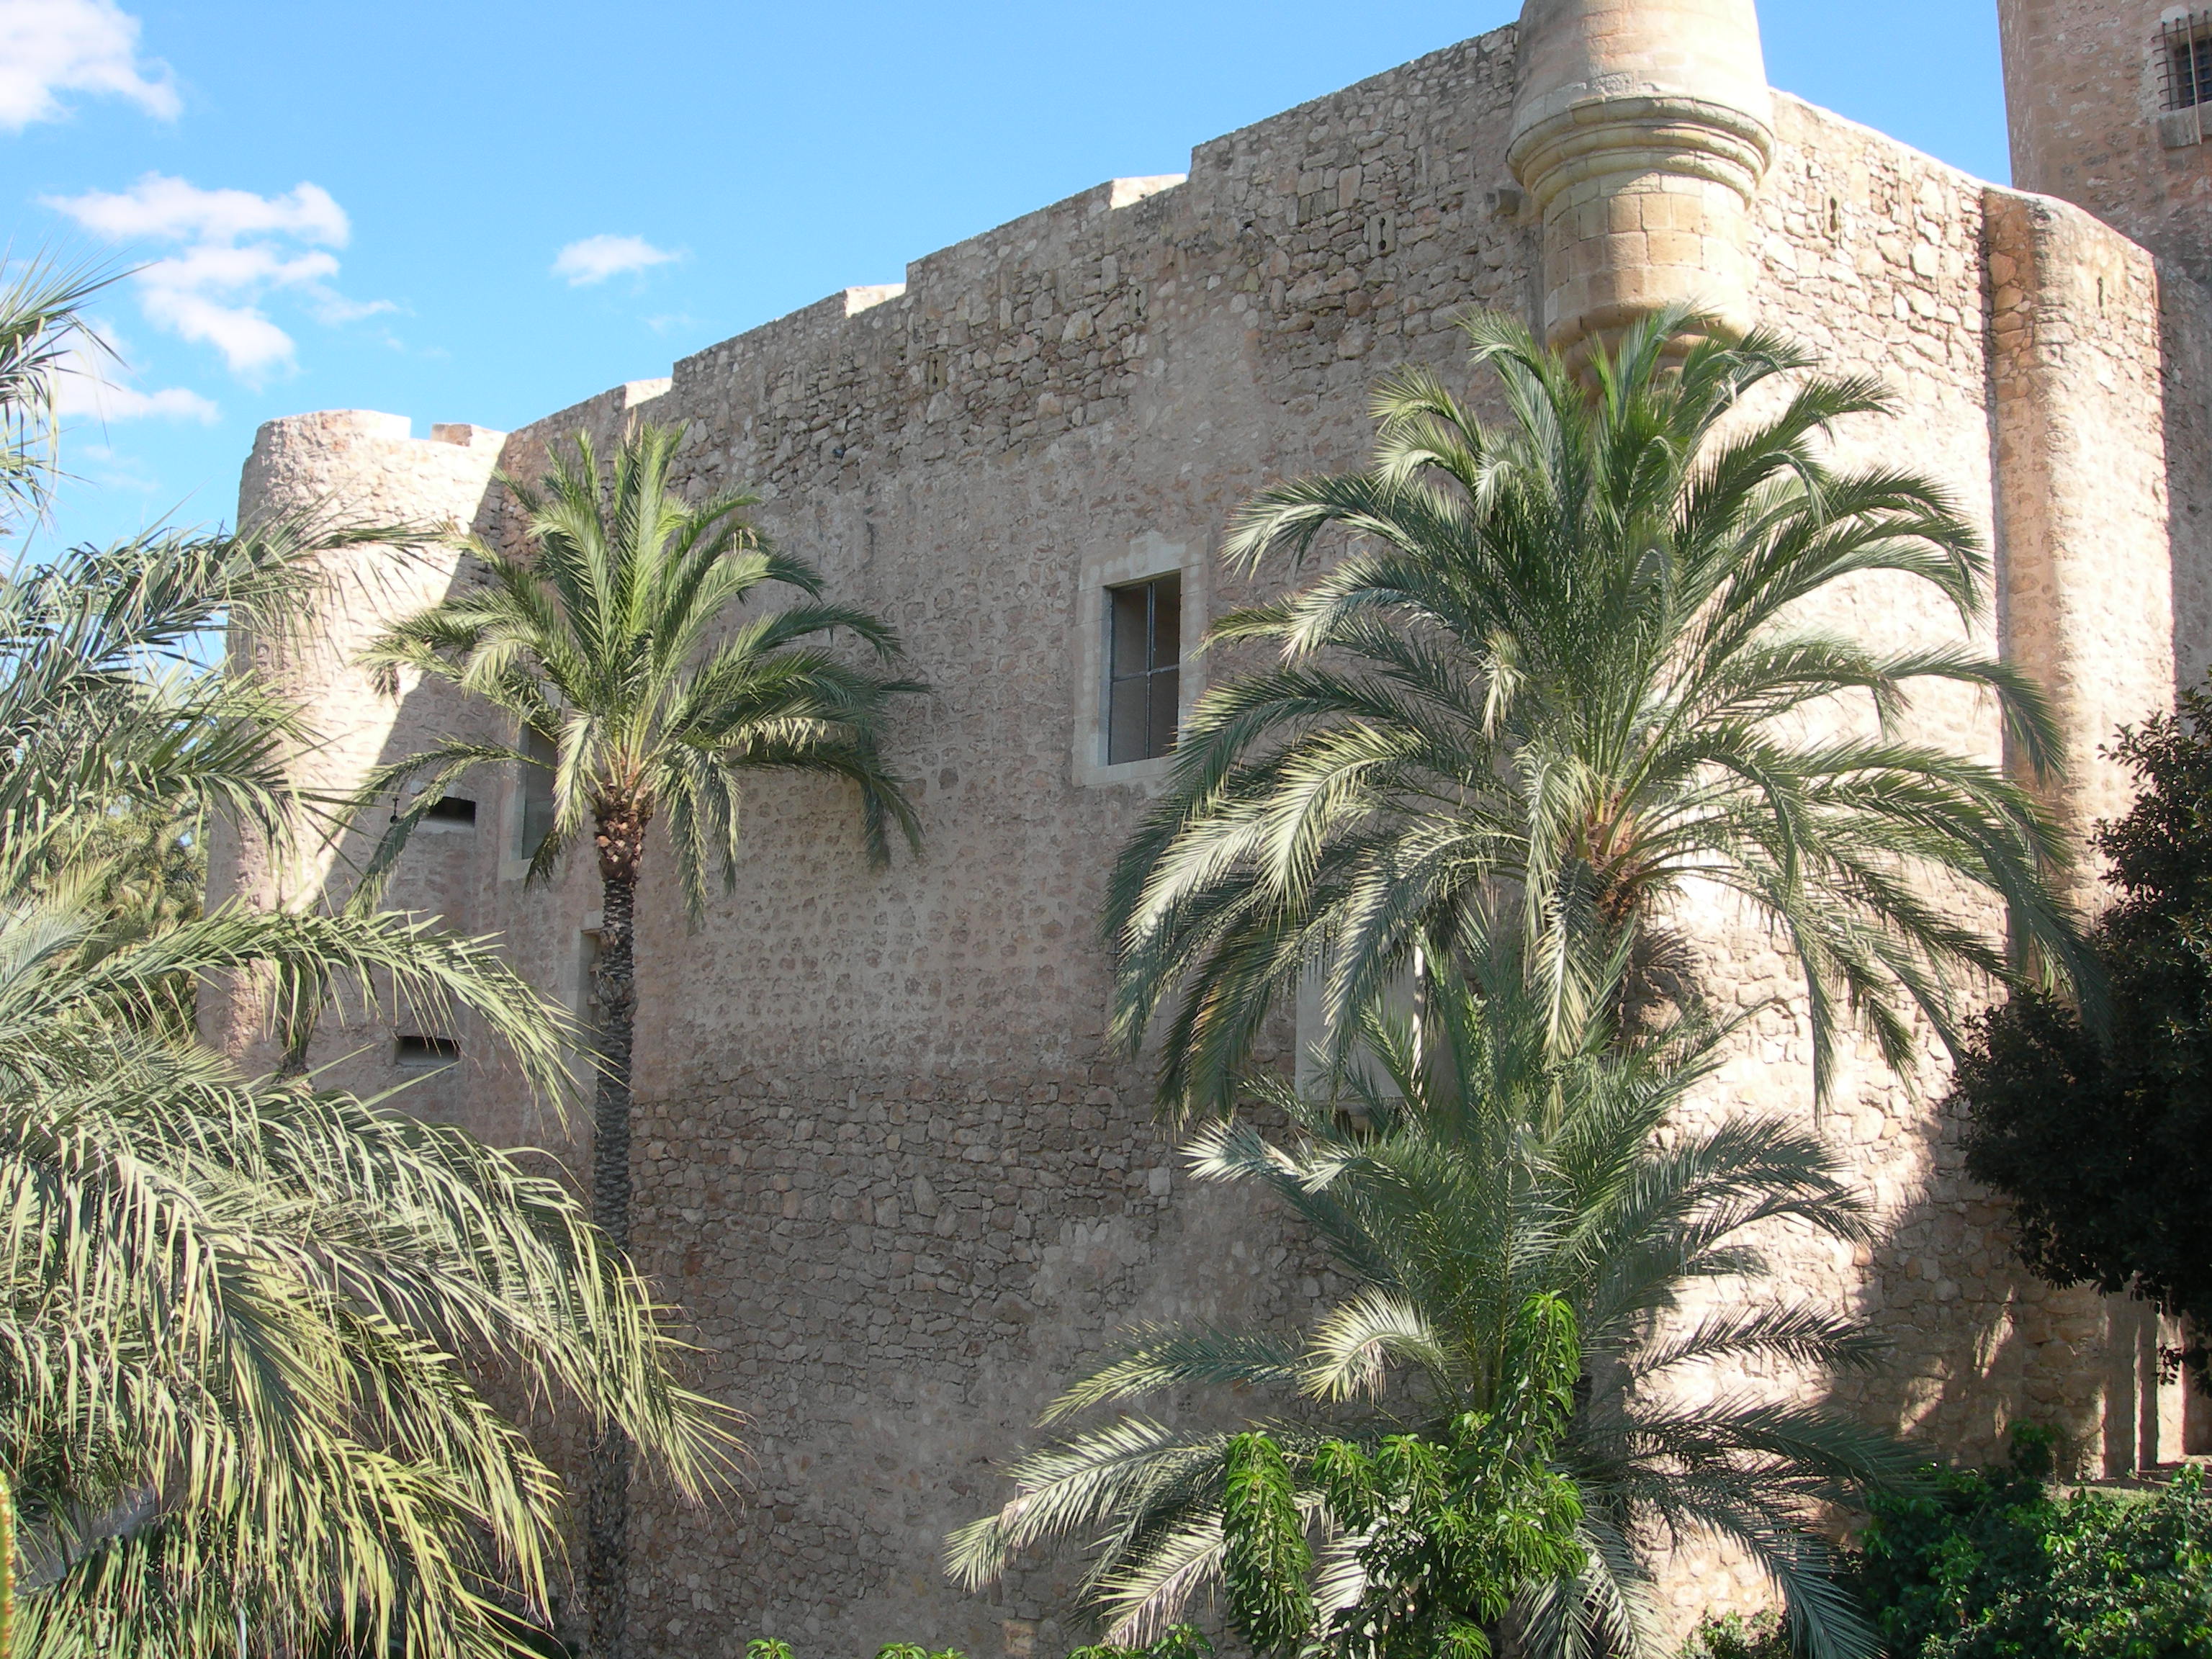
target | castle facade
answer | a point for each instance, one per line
(885, 1155)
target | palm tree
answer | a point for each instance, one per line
(1468, 1169)
(616, 641)
(1569, 659)
(247, 1328)
(43, 337)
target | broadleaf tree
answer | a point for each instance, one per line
(2100, 1132)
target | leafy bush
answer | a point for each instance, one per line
(1176, 1642)
(1989, 1565)
(2102, 1138)
(773, 1647)
(1732, 1636)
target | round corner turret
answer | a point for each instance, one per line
(1642, 130)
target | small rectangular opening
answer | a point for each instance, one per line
(1144, 657)
(537, 791)
(451, 809)
(425, 1053)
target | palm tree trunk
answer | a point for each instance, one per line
(606, 1520)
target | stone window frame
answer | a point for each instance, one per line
(1146, 557)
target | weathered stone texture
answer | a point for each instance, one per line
(2087, 93)
(883, 1153)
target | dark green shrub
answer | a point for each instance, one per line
(1732, 1636)
(771, 1647)
(1989, 1565)
(1176, 1642)
(2102, 1138)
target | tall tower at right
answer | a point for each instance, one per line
(2110, 105)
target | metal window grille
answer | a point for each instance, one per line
(1144, 654)
(2185, 57)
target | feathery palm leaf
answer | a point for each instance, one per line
(251, 1334)
(1568, 657)
(1474, 1170)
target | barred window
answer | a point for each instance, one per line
(1143, 655)
(2185, 60)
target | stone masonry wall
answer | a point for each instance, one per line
(884, 1154)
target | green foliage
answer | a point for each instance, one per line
(1565, 665)
(1989, 1565)
(1264, 1554)
(41, 328)
(248, 1329)
(2102, 1136)
(1479, 1174)
(1177, 1641)
(772, 1647)
(1451, 1531)
(616, 635)
(1732, 1636)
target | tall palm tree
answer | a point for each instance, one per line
(247, 1328)
(1471, 1167)
(615, 637)
(1569, 659)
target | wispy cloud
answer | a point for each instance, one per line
(48, 47)
(595, 258)
(235, 248)
(94, 382)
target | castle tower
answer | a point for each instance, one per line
(1641, 129)
(349, 466)
(2110, 105)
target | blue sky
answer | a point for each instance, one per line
(367, 205)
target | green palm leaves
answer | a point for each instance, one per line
(1479, 1175)
(1571, 672)
(248, 1331)
(42, 328)
(619, 638)
(620, 644)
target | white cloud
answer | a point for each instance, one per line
(92, 381)
(109, 400)
(236, 249)
(598, 257)
(48, 47)
(178, 210)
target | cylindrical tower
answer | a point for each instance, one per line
(349, 466)
(1641, 130)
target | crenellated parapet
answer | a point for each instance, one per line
(1642, 130)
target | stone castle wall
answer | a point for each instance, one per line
(884, 1155)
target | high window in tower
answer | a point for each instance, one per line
(2185, 60)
